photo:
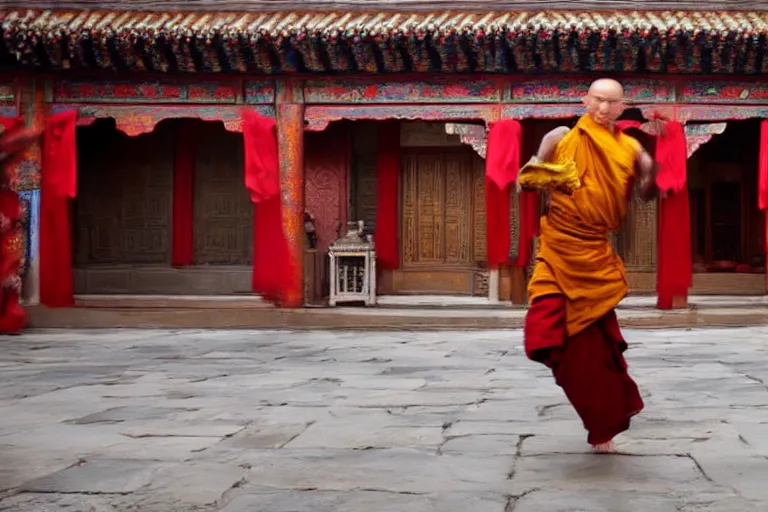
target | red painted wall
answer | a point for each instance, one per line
(326, 163)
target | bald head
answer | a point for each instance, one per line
(605, 100)
(607, 87)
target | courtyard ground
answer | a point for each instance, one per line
(277, 421)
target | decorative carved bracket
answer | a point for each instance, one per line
(473, 135)
(137, 120)
(696, 135)
(699, 134)
(317, 118)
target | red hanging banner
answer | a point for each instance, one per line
(185, 143)
(762, 171)
(762, 181)
(528, 211)
(58, 187)
(388, 178)
(675, 264)
(502, 163)
(272, 265)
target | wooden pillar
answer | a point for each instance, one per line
(30, 94)
(290, 131)
(518, 286)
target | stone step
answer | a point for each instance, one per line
(365, 318)
(393, 303)
(170, 301)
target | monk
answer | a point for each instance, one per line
(14, 138)
(578, 280)
(13, 318)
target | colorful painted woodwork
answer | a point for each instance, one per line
(135, 120)
(437, 90)
(516, 95)
(290, 127)
(222, 92)
(7, 94)
(319, 117)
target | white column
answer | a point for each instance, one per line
(493, 285)
(30, 294)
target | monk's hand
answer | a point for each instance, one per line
(522, 188)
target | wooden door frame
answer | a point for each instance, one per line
(404, 151)
(388, 276)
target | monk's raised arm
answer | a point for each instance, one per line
(646, 173)
(550, 142)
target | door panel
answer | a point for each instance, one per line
(458, 210)
(439, 231)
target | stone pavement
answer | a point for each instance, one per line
(248, 421)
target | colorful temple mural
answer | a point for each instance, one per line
(380, 116)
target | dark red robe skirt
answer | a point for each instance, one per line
(589, 366)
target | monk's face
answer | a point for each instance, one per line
(605, 101)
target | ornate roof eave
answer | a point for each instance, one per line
(386, 42)
(405, 6)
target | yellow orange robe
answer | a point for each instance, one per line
(575, 258)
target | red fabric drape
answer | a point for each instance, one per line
(590, 367)
(272, 265)
(388, 172)
(182, 250)
(13, 318)
(762, 181)
(762, 176)
(262, 167)
(59, 178)
(675, 264)
(10, 132)
(11, 123)
(671, 155)
(528, 210)
(10, 129)
(626, 124)
(502, 163)
(13, 139)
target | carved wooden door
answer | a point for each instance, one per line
(442, 234)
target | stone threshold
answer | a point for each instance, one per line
(631, 302)
(412, 318)
(395, 302)
(172, 301)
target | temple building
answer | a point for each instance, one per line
(383, 114)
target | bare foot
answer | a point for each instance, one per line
(608, 447)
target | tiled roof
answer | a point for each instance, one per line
(284, 23)
(394, 5)
(446, 41)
